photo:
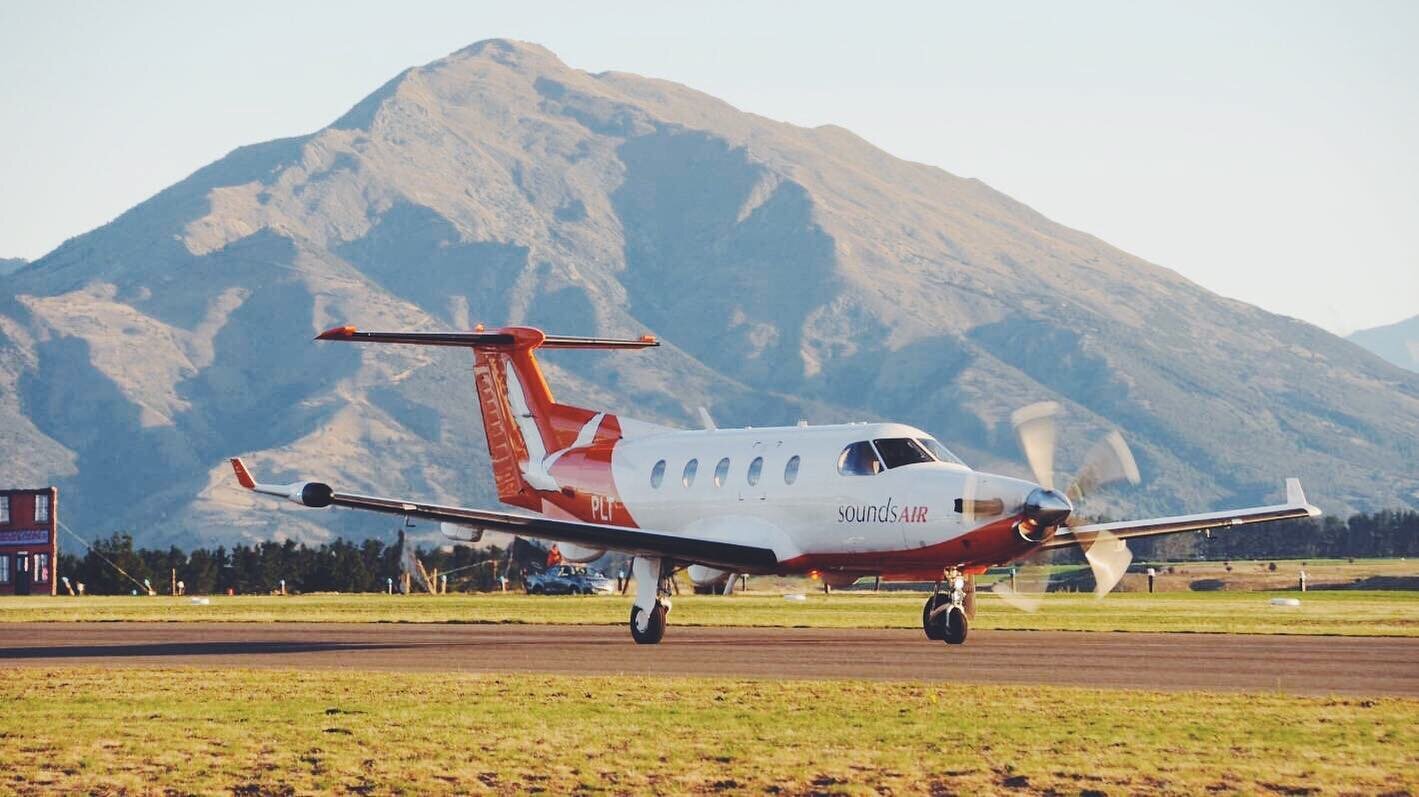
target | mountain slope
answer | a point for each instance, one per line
(793, 272)
(1397, 342)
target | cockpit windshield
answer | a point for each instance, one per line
(899, 451)
(940, 452)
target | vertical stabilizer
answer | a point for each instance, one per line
(527, 429)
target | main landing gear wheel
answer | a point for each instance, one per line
(935, 629)
(655, 625)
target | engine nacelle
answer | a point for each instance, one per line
(572, 552)
(703, 576)
(1034, 533)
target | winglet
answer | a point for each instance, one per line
(337, 333)
(1295, 496)
(243, 477)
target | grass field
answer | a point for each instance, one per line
(1345, 612)
(249, 733)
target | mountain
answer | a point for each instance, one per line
(793, 273)
(1397, 342)
(9, 265)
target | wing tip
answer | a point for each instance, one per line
(242, 474)
(1295, 496)
(337, 333)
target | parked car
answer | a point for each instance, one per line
(568, 580)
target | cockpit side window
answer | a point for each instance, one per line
(899, 451)
(858, 459)
(942, 453)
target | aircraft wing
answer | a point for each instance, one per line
(642, 542)
(1296, 506)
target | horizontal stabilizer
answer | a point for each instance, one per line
(512, 338)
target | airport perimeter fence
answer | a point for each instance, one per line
(369, 565)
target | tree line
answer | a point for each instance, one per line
(112, 566)
(373, 565)
(1367, 535)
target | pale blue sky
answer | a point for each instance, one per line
(1264, 149)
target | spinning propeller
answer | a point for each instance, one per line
(1046, 509)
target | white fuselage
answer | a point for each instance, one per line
(820, 510)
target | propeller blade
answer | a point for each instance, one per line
(1031, 582)
(1034, 428)
(968, 500)
(1019, 600)
(1109, 558)
(1109, 461)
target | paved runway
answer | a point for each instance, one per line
(1295, 664)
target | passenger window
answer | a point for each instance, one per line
(899, 451)
(859, 459)
(657, 474)
(721, 472)
(790, 471)
(755, 469)
(688, 477)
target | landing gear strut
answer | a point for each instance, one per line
(651, 606)
(945, 615)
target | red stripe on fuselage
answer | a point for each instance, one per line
(995, 543)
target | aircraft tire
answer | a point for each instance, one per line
(934, 631)
(956, 626)
(655, 629)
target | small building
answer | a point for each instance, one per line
(29, 546)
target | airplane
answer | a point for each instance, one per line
(839, 502)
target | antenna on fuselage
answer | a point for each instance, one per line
(705, 420)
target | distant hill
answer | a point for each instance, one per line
(792, 272)
(9, 265)
(1398, 342)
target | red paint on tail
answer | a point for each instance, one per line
(527, 430)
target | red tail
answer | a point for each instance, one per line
(523, 422)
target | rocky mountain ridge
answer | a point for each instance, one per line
(793, 273)
(1398, 342)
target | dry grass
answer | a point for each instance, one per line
(245, 732)
(1336, 612)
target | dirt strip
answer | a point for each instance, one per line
(1292, 664)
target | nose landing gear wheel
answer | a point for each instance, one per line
(655, 625)
(955, 625)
